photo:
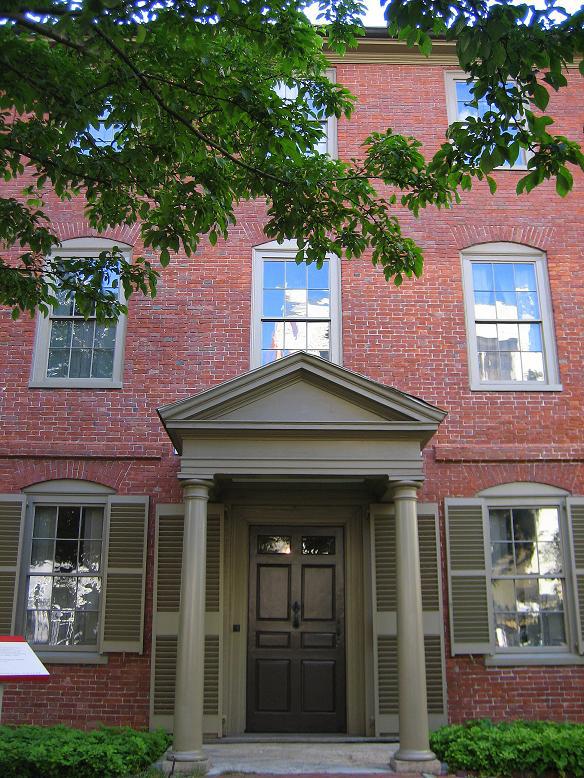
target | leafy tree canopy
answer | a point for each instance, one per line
(170, 112)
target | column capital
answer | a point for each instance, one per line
(404, 490)
(196, 489)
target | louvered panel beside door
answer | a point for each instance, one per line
(576, 528)
(383, 553)
(470, 616)
(169, 542)
(123, 615)
(11, 522)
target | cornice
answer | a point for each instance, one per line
(393, 52)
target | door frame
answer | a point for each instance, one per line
(358, 670)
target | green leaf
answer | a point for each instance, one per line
(141, 34)
(164, 257)
(541, 96)
(564, 181)
(492, 184)
(213, 238)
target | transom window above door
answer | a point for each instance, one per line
(295, 307)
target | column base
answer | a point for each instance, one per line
(415, 762)
(191, 762)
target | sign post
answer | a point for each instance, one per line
(18, 662)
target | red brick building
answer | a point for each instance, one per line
(302, 461)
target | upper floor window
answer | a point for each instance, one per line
(328, 124)
(295, 306)
(509, 318)
(458, 98)
(74, 351)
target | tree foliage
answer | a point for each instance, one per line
(187, 96)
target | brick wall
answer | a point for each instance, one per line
(195, 334)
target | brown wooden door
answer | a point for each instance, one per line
(296, 636)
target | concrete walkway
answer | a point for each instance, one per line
(306, 758)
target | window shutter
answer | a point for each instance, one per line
(11, 524)
(385, 617)
(576, 527)
(471, 625)
(169, 540)
(125, 575)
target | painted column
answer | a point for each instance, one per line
(414, 745)
(190, 662)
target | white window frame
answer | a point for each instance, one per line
(510, 253)
(533, 495)
(57, 493)
(451, 78)
(39, 379)
(331, 122)
(286, 251)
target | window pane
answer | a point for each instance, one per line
(510, 366)
(42, 555)
(318, 278)
(504, 277)
(60, 334)
(83, 334)
(318, 335)
(487, 337)
(527, 306)
(295, 335)
(65, 556)
(524, 523)
(506, 305)
(551, 594)
(295, 303)
(506, 630)
(547, 524)
(37, 626)
(45, 521)
(529, 630)
(270, 356)
(489, 366)
(526, 558)
(65, 305)
(88, 593)
(482, 276)
(85, 628)
(105, 336)
(61, 628)
(295, 275)
(68, 524)
(58, 364)
(274, 277)
(502, 557)
(553, 629)
(485, 305)
(274, 544)
(527, 595)
(533, 367)
(80, 363)
(500, 521)
(64, 592)
(318, 544)
(273, 303)
(530, 337)
(525, 277)
(103, 364)
(273, 335)
(508, 337)
(39, 592)
(318, 303)
(89, 556)
(504, 596)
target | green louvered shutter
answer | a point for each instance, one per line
(169, 539)
(123, 619)
(471, 627)
(385, 617)
(576, 526)
(11, 523)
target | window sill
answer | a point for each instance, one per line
(71, 657)
(75, 384)
(532, 660)
(519, 387)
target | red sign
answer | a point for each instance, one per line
(18, 662)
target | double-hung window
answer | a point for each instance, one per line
(73, 351)
(509, 318)
(328, 124)
(295, 306)
(458, 98)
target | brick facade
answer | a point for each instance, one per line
(196, 333)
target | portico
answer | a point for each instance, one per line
(311, 432)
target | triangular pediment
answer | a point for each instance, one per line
(300, 390)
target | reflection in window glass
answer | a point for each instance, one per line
(274, 544)
(527, 583)
(318, 544)
(508, 322)
(64, 575)
(295, 309)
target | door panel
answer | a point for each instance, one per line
(296, 636)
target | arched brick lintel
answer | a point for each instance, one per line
(534, 236)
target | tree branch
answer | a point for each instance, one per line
(22, 21)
